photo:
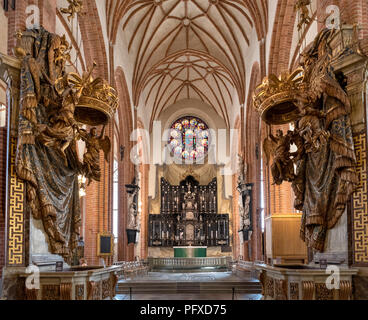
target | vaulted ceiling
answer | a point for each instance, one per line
(188, 48)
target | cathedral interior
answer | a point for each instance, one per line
(183, 149)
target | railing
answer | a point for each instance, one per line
(131, 269)
(188, 263)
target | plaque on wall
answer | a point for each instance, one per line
(59, 266)
(105, 244)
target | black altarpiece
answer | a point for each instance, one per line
(188, 216)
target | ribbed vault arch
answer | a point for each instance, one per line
(217, 33)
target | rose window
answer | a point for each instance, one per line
(189, 138)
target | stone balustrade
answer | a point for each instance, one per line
(189, 263)
(305, 283)
(131, 269)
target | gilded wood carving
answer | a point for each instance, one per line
(54, 105)
(294, 291)
(314, 98)
(79, 292)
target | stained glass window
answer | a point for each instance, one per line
(189, 138)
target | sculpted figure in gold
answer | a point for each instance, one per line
(316, 101)
(302, 7)
(94, 143)
(50, 123)
(75, 7)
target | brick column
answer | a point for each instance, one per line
(235, 219)
(144, 210)
(48, 14)
(16, 21)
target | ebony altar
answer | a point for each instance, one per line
(188, 216)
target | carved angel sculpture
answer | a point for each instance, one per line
(63, 127)
(52, 186)
(75, 7)
(242, 170)
(91, 159)
(325, 174)
(302, 6)
(279, 147)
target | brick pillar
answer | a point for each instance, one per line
(352, 12)
(144, 210)
(92, 204)
(122, 212)
(48, 14)
(235, 218)
(97, 214)
(16, 21)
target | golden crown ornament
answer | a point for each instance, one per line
(274, 97)
(98, 100)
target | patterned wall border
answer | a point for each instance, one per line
(16, 204)
(359, 212)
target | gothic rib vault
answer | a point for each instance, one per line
(181, 49)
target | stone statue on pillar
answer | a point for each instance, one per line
(244, 202)
(317, 103)
(132, 208)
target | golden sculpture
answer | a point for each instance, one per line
(94, 143)
(75, 7)
(324, 177)
(98, 102)
(273, 100)
(302, 7)
(49, 127)
(282, 168)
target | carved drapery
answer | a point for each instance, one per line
(52, 184)
(345, 291)
(52, 106)
(308, 290)
(65, 291)
(314, 96)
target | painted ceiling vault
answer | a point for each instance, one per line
(182, 49)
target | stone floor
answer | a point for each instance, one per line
(187, 276)
(224, 280)
(188, 296)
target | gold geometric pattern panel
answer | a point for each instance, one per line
(16, 213)
(360, 204)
